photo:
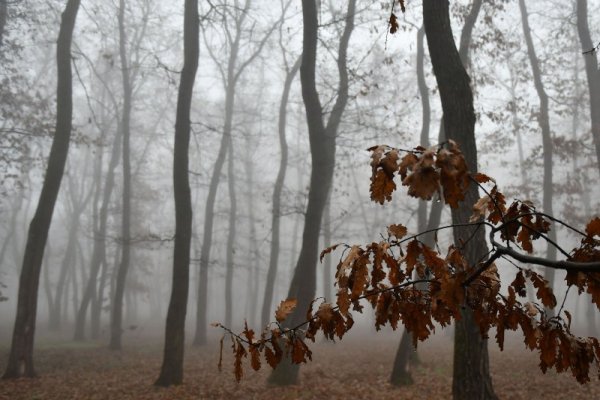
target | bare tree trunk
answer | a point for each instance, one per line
(229, 262)
(322, 150)
(547, 147)
(471, 361)
(116, 321)
(327, 264)
(20, 361)
(276, 211)
(99, 249)
(171, 372)
(592, 71)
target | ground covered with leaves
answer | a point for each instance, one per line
(357, 367)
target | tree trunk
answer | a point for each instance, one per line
(400, 373)
(116, 321)
(276, 211)
(20, 361)
(99, 249)
(327, 264)
(547, 147)
(322, 150)
(229, 262)
(471, 378)
(171, 372)
(592, 71)
(209, 213)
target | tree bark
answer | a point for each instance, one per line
(547, 146)
(172, 367)
(116, 320)
(471, 378)
(20, 361)
(322, 150)
(592, 71)
(276, 211)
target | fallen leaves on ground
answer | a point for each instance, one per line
(355, 368)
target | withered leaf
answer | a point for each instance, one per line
(399, 231)
(382, 187)
(393, 23)
(284, 309)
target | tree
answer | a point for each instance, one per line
(471, 377)
(544, 122)
(172, 368)
(116, 317)
(277, 189)
(20, 362)
(592, 71)
(230, 76)
(322, 150)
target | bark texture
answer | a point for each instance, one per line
(20, 361)
(471, 378)
(171, 372)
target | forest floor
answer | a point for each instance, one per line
(355, 368)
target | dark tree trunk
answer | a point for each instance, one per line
(116, 320)
(592, 71)
(471, 378)
(322, 150)
(171, 372)
(229, 262)
(400, 373)
(276, 211)
(20, 361)
(99, 249)
(547, 147)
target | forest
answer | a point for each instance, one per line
(299, 199)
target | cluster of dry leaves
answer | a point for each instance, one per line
(381, 273)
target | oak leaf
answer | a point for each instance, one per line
(285, 308)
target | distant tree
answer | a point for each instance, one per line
(592, 70)
(544, 123)
(116, 316)
(20, 361)
(172, 367)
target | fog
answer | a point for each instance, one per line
(116, 200)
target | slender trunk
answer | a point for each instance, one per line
(99, 249)
(116, 322)
(471, 378)
(547, 147)
(20, 361)
(327, 265)
(171, 372)
(400, 373)
(592, 71)
(253, 245)
(55, 317)
(276, 211)
(322, 150)
(229, 262)
(209, 214)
